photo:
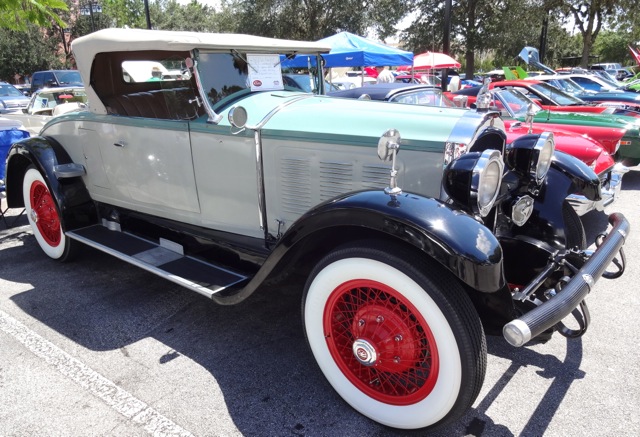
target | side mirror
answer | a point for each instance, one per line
(388, 147)
(388, 144)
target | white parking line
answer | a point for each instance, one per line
(120, 400)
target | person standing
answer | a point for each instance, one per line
(384, 75)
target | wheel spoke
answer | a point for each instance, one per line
(401, 370)
(47, 220)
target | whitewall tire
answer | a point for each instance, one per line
(393, 342)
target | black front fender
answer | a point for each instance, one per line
(454, 239)
(72, 198)
(567, 175)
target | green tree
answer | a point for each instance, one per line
(475, 27)
(613, 47)
(316, 19)
(589, 17)
(18, 14)
(123, 13)
(24, 52)
(195, 17)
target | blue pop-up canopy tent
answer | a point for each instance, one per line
(349, 50)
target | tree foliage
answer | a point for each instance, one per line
(19, 14)
(316, 19)
(589, 17)
(475, 26)
(24, 52)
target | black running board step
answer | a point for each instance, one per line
(192, 273)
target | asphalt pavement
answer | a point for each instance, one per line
(97, 347)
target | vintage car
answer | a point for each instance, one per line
(410, 231)
(48, 102)
(582, 146)
(619, 135)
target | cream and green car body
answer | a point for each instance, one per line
(403, 226)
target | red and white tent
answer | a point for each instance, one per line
(431, 61)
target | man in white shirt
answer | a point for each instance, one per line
(384, 75)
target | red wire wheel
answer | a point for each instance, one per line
(44, 213)
(380, 342)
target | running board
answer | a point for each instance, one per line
(165, 259)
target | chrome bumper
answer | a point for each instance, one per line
(521, 330)
(610, 192)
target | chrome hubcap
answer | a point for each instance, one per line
(364, 352)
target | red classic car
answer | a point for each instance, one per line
(554, 99)
(610, 131)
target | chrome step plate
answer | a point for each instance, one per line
(192, 273)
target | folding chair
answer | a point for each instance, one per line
(7, 138)
(8, 220)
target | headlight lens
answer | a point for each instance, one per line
(474, 180)
(545, 147)
(490, 178)
(531, 155)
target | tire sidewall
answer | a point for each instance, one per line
(56, 252)
(441, 399)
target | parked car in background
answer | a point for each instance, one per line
(54, 78)
(306, 83)
(409, 231)
(581, 146)
(593, 82)
(619, 135)
(48, 102)
(11, 99)
(24, 88)
(617, 98)
(552, 98)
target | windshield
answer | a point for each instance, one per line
(560, 97)
(49, 98)
(227, 77)
(68, 77)
(567, 85)
(512, 103)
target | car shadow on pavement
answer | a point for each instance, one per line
(255, 351)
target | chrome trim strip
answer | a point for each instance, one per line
(262, 204)
(213, 117)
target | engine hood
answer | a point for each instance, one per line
(348, 121)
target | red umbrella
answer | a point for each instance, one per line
(431, 60)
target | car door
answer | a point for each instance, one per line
(148, 166)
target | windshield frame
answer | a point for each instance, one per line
(509, 96)
(556, 95)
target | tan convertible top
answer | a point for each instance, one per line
(120, 40)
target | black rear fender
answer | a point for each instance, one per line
(72, 198)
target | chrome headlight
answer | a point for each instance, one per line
(474, 180)
(531, 155)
